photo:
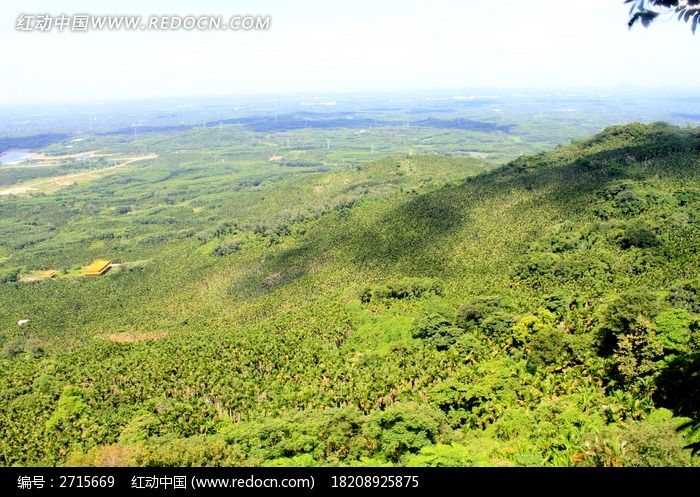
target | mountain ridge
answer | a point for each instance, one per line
(526, 315)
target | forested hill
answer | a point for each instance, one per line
(544, 313)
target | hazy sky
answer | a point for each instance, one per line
(342, 46)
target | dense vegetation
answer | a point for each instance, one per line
(412, 310)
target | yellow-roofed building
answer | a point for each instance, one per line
(35, 276)
(98, 267)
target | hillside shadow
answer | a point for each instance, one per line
(678, 388)
(407, 231)
(276, 271)
(410, 235)
(412, 231)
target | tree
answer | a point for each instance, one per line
(646, 11)
(636, 353)
(437, 330)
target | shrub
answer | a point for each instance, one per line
(479, 399)
(605, 448)
(470, 315)
(71, 405)
(436, 330)
(35, 349)
(13, 348)
(404, 288)
(686, 295)
(529, 325)
(547, 347)
(452, 395)
(638, 236)
(204, 236)
(694, 340)
(619, 317)
(629, 202)
(227, 247)
(556, 303)
(9, 276)
(536, 264)
(636, 353)
(627, 337)
(405, 428)
(673, 330)
(655, 442)
(469, 348)
(678, 388)
(685, 197)
(486, 314)
(453, 455)
(565, 241)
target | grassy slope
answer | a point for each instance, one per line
(267, 356)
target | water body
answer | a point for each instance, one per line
(14, 156)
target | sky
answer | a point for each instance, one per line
(334, 46)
